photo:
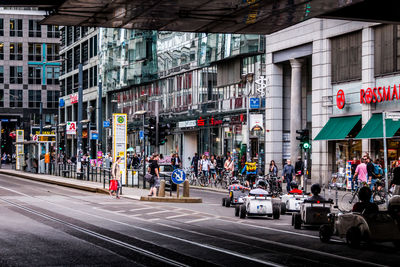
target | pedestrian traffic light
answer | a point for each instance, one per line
(150, 131)
(164, 129)
(304, 138)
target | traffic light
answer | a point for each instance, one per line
(164, 129)
(150, 131)
(304, 137)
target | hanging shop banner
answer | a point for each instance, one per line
(120, 141)
(20, 149)
(71, 127)
(256, 122)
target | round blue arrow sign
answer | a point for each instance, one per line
(178, 176)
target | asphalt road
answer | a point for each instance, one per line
(43, 225)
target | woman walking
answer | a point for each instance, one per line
(116, 175)
(273, 169)
(153, 169)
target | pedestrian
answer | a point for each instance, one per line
(116, 175)
(361, 173)
(176, 161)
(195, 164)
(299, 171)
(229, 166)
(273, 169)
(153, 169)
(213, 167)
(205, 166)
(396, 179)
(135, 161)
(354, 165)
(220, 165)
(287, 174)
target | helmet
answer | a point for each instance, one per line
(315, 189)
(293, 184)
(235, 180)
(261, 183)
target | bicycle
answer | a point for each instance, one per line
(379, 192)
(274, 185)
(223, 179)
(191, 176)
(203, 180)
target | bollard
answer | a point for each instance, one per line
(161, 190)
(186, 188)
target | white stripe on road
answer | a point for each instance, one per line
(157, 212)
(180, 215)
(201, 220)
(147, 208)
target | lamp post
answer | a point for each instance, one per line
(89, 114)
(249, 80)
(57, 141)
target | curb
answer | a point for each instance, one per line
(172, 199)
(208, 189)
(80, 187)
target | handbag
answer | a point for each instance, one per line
(149, 178)
(113, 185)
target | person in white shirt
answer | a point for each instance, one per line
(205, 166)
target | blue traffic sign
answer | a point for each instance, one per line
(254, 102)
(95, 136)
(141, 135)
(61, 103)
(106, 124)
(178, 176)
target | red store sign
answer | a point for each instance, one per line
(379, 94)
(212, 122)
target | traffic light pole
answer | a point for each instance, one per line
(157, 146)
(305, 176)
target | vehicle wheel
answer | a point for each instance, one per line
(325, 233)
(347, 202)
(283, 208)
(276, 211)
(242, 211)
(297, 221)
(223, 201)
(228, 202)
(353, 237)
(237, 210)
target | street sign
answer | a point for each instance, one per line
(71, 127)
(106, 124)
(94, 135)
(141, 135)
(178, 176)
(393, 115)
(254, 102)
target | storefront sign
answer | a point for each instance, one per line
(71, 127)
(94, 135)
(73, 98)
(256, 122)
(214, 122)
(187, 124)
(20, 149)
(340, 99)
(200, 122)
(254, 102)
(379, 94)
(119, 141)
(61, 103)
(211, 122)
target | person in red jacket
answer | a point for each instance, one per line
(295, 189)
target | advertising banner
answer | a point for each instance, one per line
(20, 149)
(256, 122)
(71, 127)
(120, 141)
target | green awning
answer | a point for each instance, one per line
(338, 128)
(374, 128)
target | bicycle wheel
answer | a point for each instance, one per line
(347, 202)
(379, 197)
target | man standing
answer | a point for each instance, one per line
(287, 173)
(371, 174)
(299, 171)
(195, 164)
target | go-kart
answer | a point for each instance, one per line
(312, 213)
(394, 208)
(236, 194)
(258, 203)
(292, 202)
(356, 227)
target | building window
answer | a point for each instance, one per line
(77, 53)
(16, 27)
(16, 51)
(63, 32)
(15, 74)
(35, 29)
(85, 79)
(69, 85)
(62, 87)
(53, 52)
(35, 98)
(34, 75)
(1, 27)
(1, 98)
(387, 49)
(346, 57)
(77, 33)
(53, 73)
(34, 52)
(52, 99)
(85, 53)
(1, 74)
(1, 51)
(69, 35)
(53, 31)
(16, 98)
(69, 60)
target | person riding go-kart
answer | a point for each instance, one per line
(291, 201)
(251, 173)
(236, 192)
(364, 223)
(313, 211)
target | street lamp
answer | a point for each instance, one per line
(89, 114)
(249, 80)
(143, 113)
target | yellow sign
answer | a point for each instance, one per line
(46, 138)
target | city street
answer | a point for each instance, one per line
(43, 224)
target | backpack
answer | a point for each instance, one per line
(378, 170)
(251, 166)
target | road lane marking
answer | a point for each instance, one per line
(158, 212)
(200, 220)
(180, 215)
(144, 208)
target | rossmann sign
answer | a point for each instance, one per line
(379, 94)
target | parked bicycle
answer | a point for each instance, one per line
(274, 185)
(203, 180)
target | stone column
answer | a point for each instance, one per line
(295, 108)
